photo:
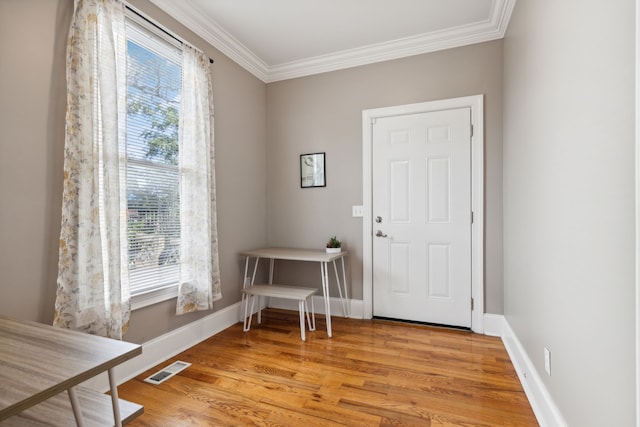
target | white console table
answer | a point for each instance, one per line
(296, 292)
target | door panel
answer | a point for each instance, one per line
(438, 270)
(399, 188)
(438, 190)
(422, 192)
(399, 267)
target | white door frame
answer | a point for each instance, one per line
(476, 103)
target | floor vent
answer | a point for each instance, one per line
(167, 372)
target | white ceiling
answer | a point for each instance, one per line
(282, 39)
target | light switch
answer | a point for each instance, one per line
(356, 211)
(547, 360)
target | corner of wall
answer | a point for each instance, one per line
(544, 408)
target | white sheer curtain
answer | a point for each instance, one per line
(199, 271)
(93, 291)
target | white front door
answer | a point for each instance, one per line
(421, 206)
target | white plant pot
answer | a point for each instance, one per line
(334, 250)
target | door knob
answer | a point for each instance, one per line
(379, 233)
(378, 219)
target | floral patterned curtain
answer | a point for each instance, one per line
(199, 271)
(93, 291)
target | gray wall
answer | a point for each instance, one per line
(323, 113)
(32, 107)
(569, 201)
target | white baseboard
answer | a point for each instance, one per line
(168, 345)
(544, 408)
(494, 324)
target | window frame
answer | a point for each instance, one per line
(151, 37)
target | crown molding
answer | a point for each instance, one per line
(195, 20)
(492, 29)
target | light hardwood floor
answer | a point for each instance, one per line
(371, 373)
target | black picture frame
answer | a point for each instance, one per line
(312, 170)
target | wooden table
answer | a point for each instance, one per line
(291, 254)
(38, 362)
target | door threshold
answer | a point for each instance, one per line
(416, 322)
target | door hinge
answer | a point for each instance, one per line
(471, 304)
(471, 130)
(471, 217)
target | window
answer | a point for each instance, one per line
(154, 81)
(139, 208)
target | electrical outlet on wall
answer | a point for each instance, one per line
(547, 361)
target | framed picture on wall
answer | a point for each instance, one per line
(312, 170)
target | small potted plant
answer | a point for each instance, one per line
(334, 246)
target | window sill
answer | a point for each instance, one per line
(155, 296)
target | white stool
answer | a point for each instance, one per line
(276, 291)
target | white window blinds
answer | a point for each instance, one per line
(154, 81)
